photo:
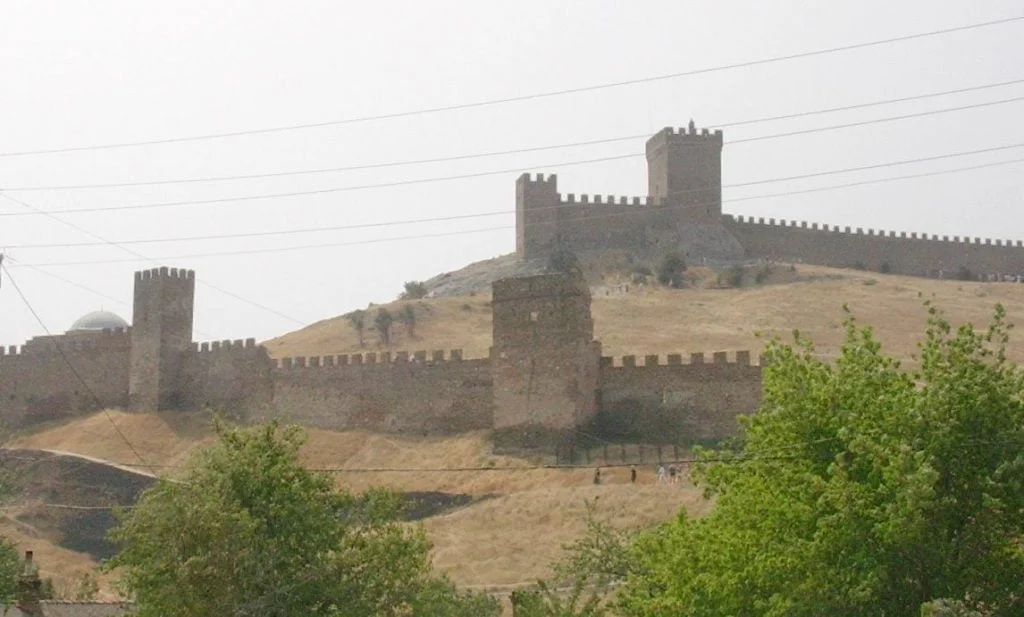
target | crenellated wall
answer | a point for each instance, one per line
(231, 375)
(417, 393)
(55, 377)
(902, 253)
(667, 400)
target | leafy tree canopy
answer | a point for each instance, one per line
(249, 531)
(10, 567)
(859, 488)
(670, 273)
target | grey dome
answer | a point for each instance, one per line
(96, 321)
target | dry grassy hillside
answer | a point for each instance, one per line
(647, 320)
(507, 538)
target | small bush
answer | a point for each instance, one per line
(565, 261)
(414, 290)
(671, 271)
(643, 270)
(467, 307)
(763, 273)
(885, 268)
(860, 265)
(383, 322)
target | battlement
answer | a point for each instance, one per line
(536, 287)
(225, 346)
(718, 358)
(860, 231)
(435, 357)
(539, 178)
(165, 273)
(685, 136)
(609, 200)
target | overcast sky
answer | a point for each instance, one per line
(83, 73)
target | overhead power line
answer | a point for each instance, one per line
(71, 367)
(524, 97)
(606, 216)
(459, 217)
(142, 257)
(416, 181)
(592, 142)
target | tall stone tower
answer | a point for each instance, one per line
(161, 336)
(684, 168)
(544, 358)
(537, 214)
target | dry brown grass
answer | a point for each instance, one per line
(64, 566)
(654, 320)
(509, 536)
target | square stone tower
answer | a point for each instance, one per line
(537, 215)
(544, 359)
(684, 169)
(161, 336)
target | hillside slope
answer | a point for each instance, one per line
(629, 319)
(516, 525)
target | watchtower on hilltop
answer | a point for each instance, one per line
(684, 178)
(161, 335)
(684, 171)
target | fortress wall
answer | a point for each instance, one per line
(596, 222)
(420, 393)
(905, 253)
(39, 384)
(231, 375)
(664, 400)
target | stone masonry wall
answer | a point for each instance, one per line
(235, 376)
(912, 254)
(38, 385)
(664, 400)
(544, 354)
(417, 394)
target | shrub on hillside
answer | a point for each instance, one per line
(414, 290)
(670, 273)
(357, 319)
(563, 260)
(382, 322)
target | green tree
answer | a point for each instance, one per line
(248, 531)
(358, 320)
(383, 322)
(408, 318)
(860, 488)
(563, 259)
(670, 273)
(414, 290)
(10, 568)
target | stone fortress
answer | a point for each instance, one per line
(545, 377)
(683, 212)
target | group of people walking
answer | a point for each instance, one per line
(672, 475)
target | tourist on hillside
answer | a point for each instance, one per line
(597, 476)
(672, 474)
(632, 475)
(661, 474)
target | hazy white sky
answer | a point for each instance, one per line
(78, 73)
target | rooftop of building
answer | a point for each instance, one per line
(98, 321)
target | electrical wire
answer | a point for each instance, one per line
(381, 185)
(524, 97)
(74, 371)
(144, 258)
(479, 155)
(19, 263)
